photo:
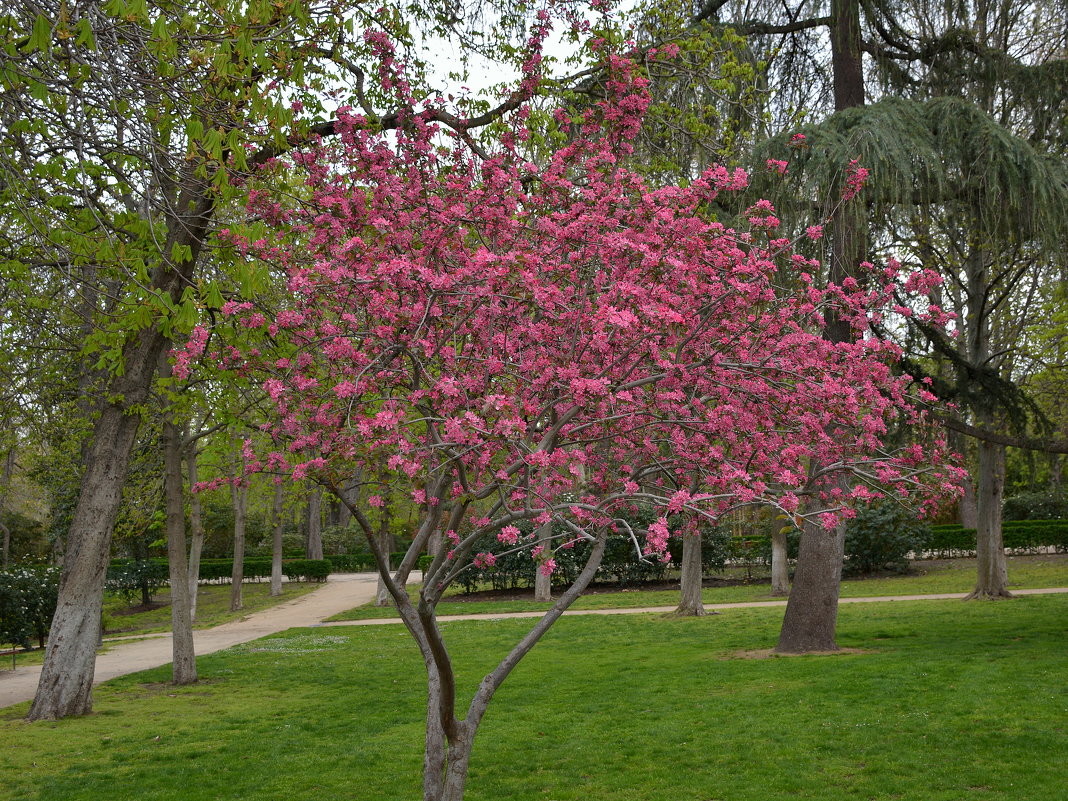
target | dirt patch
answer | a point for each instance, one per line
(769, 653)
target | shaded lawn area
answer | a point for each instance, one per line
(946, 701)
(930, 577)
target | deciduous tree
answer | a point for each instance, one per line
(476, 332)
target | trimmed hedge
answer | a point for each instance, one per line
(1027, 536)
(222, 570)
(360, 562)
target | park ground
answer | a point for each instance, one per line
(932, 700)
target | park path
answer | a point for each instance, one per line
(343, 591)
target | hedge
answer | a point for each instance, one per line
(1027, 536)
(223, 569)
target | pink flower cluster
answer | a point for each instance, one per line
(509, 342)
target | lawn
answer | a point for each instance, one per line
(941, 701)
(950, 575)
(213, 609)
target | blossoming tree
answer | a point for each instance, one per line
(503, 342)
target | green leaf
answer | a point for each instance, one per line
(40, 35)
(85, 36)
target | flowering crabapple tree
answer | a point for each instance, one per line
(502, 342)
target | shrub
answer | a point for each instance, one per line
(306, 569)
(1036, 506)
(1019, 535)
(351, 562)
(881, 537)
(27, 604)
(141, 577)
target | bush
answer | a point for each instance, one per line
(880, 537)
(27, 604)
(1036, 506)
(306, 569)
(351, 562)
(1019, 535)
(132, 578)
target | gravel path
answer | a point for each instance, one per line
(341, 592)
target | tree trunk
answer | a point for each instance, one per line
(543, 582)
(992, 580)
(196, 530)
(184, 665)
(239, 498)
(276, 541)
(5, 487)
(66, 684)
(314, 544)
(385, 543)
(780, 569)
(690, 603)
(812, 611)
(6, 545)
(968, 506)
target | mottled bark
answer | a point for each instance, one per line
(812, 611)
(313, 546)
(690, 580)
(5, 488)
(66, 682)
(276, 540)
(968, 506)
(992, 579)
(184, 662)
(196, 531)
(385, 543)
(239, 499)
(780, 569)
(543, 582)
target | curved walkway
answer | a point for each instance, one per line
(343, 591)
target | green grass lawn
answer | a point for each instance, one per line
(953, 575)
(943, 701)
(213, 609)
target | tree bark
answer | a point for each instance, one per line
(690, 602)
(184, 662)
(780, 569)
(5, 487)
(992, 580)
(313, 548)
(196, 530)
(543, 582)
(66, 684)
(385, 542)
(239, 498)
(276, 540)
(812, 611)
